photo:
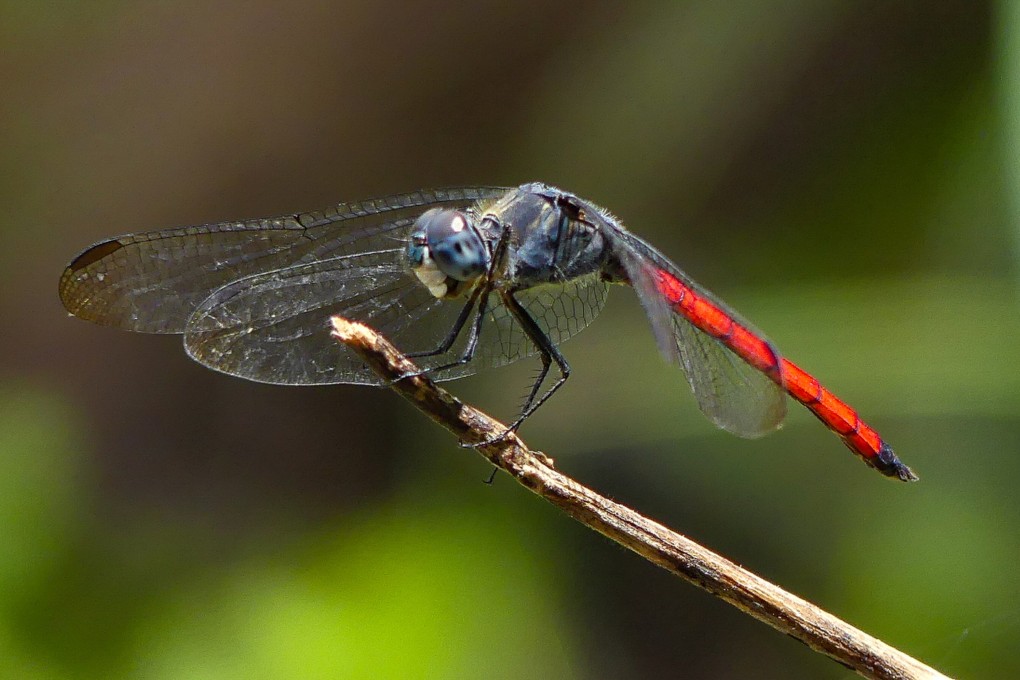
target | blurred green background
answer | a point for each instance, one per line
(845, 174)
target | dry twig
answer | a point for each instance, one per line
(766, 602)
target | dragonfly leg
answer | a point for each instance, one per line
(455, 330)
(548, 354)
(472, 344)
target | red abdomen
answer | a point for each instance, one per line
(756, 351)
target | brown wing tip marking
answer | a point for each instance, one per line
(72, 293)
(94, 254)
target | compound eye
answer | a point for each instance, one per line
(455, 246)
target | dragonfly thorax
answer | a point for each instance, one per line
(446, 251)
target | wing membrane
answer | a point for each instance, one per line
(274, 327)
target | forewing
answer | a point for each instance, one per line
(274, 327)
(730, 392)
(152, 282)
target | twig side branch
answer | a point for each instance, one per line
(753, 595)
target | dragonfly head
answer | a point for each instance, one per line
(454, 243)
(446, 245)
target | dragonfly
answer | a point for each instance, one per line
(459, 279)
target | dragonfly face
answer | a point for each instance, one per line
(446, 251)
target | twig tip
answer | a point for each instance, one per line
(345, 329)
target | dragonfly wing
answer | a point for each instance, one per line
(153, 282)
(733, 394)
(274, 327)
